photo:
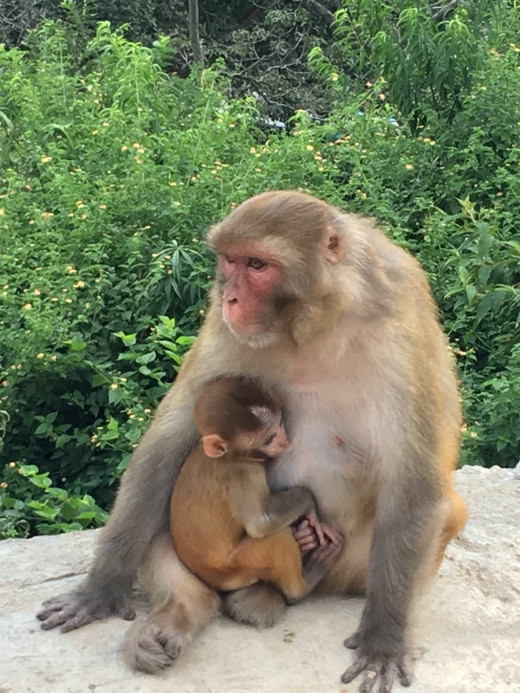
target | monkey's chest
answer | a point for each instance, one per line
(330, 449)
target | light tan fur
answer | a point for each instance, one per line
(351, 337)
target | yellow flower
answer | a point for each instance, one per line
(27, 306)
(37, 292)
(46, 159)
(79, 285)
(409, 166)
(309, 148)
(40, 355)
(334, 77)
(2, 211)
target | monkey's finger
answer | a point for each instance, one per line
(388, 679)
(405, 673)
(307, 547)
(304, 534)
(319, 533)
(153, 657)
(368, 682)
(128, 612)
(335, 537)
(302, 526)
(82, 617)
(352, 642)
(170, 647)
(52, 620)
(44, 614)
(354, 670)
(53, 605)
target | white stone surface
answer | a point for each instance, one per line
(468, 634)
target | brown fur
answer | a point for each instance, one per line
(226, 526)
(350, 335)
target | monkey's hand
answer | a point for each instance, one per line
(75, 609)
(380, 667)
(311, 533)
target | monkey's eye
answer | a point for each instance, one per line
(270, 439)
(255, 263)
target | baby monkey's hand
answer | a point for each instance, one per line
(310, 533)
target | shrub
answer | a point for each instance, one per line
(111, 175)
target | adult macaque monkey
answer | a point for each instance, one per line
(342, 320)
(226, 526)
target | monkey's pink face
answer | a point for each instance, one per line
(247, 283)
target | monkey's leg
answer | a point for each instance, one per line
(182, 607)
(277, 559)
(260, 605)
(281, 555)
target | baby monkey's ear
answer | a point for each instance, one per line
(214, 445)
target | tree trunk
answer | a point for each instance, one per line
(196, 45)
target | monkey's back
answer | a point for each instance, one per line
(204, 524)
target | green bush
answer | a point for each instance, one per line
(449, 189)
(111, 174)
(111, 171)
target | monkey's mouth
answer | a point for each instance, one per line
(256, 340)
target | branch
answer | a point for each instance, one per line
(442, 11)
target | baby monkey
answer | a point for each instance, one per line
(226, 525)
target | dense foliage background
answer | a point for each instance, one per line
(115, 157)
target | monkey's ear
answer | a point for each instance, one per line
(214, 445)
(333, 246)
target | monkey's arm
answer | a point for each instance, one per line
(405, 526)
(268, 513)
(140, 511)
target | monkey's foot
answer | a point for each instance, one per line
(259, 605)
(75, 609)
(379, 670)
(153, 644)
